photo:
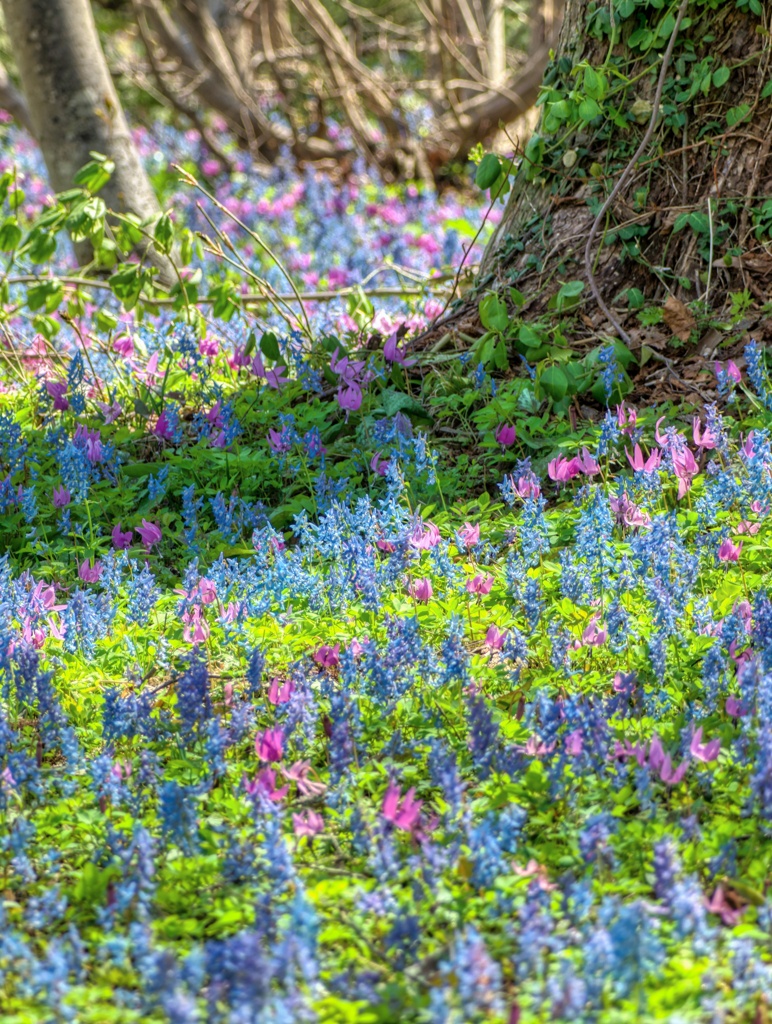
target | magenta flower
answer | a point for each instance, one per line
(350, 398)
(561, 469)
(150, 534)
(308, 826)
(110, 412)
(90, 574)
(280, 694)
(729, 552)
(703, 439)
(265, 782)
(528, 486)
(278, 442)
(427, 538)
(57, 389)
(586, 463)
(637, 461)
(704, 751)
(404, 815)
(661, 762)
(196, 627)
(61, 498)
(593, 635)
(506, 435)
(122, 769)
(685, 469)
(479, 585)
(378, 465)
(298, 773)
(574, 743)
(470, 535)
(327, 656)
(734, 708)
(392, 353)
(638, 751)
(268, 745)
(421, 590)
(494, 639)
(626, 418)
(163, 428)
(121, 540)
(732, 371)
(718, 904)
(385, 545)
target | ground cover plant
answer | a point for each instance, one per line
(344, 680)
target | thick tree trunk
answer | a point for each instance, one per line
(695, 195)
(72, 101)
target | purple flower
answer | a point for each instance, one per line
(404, 815)
(278, 442)
(57, 389)
(392, 353)
(469, 535)
(61, 498)
(268, 745)
(90, 574)
(479, 585)
(150, 534)
(350, 398)
(421, 590)
(506, 435)
(121, 540)
(704, 751)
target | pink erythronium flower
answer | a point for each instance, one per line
(312, 824)
(121, 540)
(421, 590)
(57, 389)
(626, 418)
(110, 412)
(279, 692)
(506, 435)
(639, 464)
(732, 371)
(90, 573)
(574, 743)
(350, 398)
(734, 708)
(392, 353)
(718, 904)
(586, 463)
(61, 498)
(479, 585)
(495, 639)
(704, 751)
(196, 627)
(638, 751)
(662, 763)
(540, 871)
(327, 656)
(593, 635)
(150, 534)
(265, 781)
(298, 772)
(122, 769)
(729, 552)
(469, 535)
(702, 438)
(425, 536)
(378, 465)
(268, 745)
(404, 815)
(385, 545)
(561, 469)
(685, 469)
(278, 442)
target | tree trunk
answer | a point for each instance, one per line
(73, 104)
(690, 221)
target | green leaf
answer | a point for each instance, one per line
(766, 91)
(16, 198)
(95, 174)
(529, 337)
(269, 346)
(493, 313)
(737, 114)
(488, 171)
(588, 109)
(569, 294)
(394, 401)
(10, 234)
(517, 297)
(699, 222)
(721, 76)
(47, 293)
(635, 298)
(554, 381)
(533, 156)
(163, 235)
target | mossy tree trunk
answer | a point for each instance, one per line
(694, 219)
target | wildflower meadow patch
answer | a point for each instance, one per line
(344, 680)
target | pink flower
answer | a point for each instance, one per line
(661, 762)
(506, 435)
(378, 465)
(298, 772)
(586, 463)
(732, 371)
(392, 353)
(268, 745)
(729, 552)
(151, 370)
(734, 708)
(124, 346)
(704, 751)
(350, 398)
(196, 627)
(626, 418)
(704, 439)
(208, 591)
(574, 743)
(494, 639)
(278, 442)
(628, 750)
(469, 535)
(592, 635)
(280, 694)
(61, 498)
(404, 815)
(110, 412)
(385, 545)
(425, 539)
(121, 540)
(637, 461)
(122, 769)
(90, 574)
(421, 590)
(685, 469)
(747, 446)
(308, 826)
(265, 782)
(57, 389)
(150, 534)
(561, 469)
(479, 585)
(717, 904)
(327, 656)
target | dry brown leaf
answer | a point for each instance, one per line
(678, 318)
